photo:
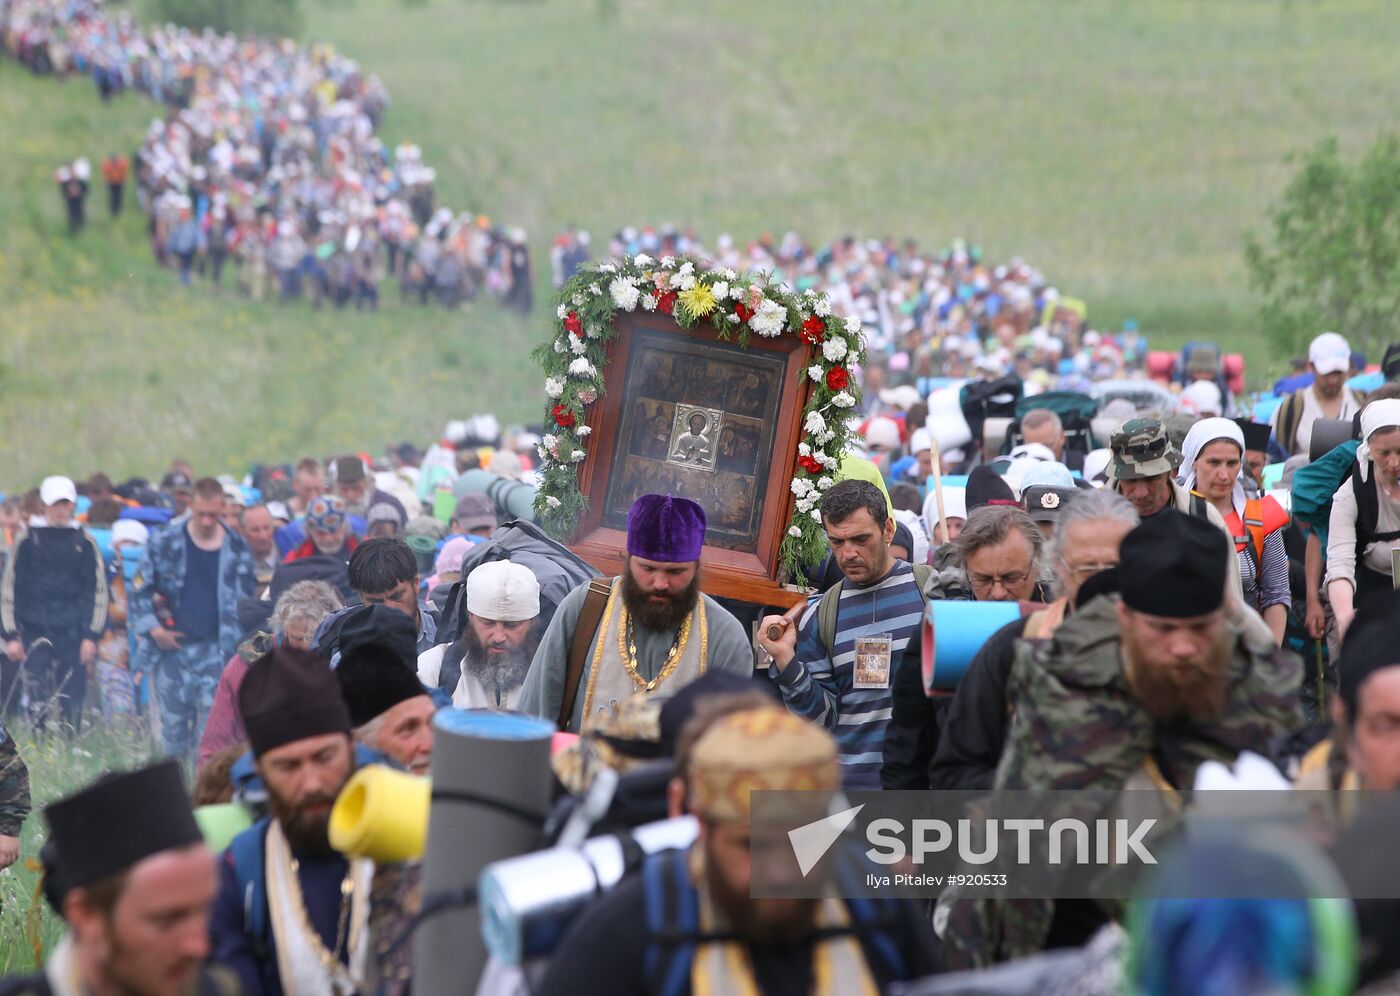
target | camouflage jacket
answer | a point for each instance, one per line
(162, 573)
(1076, 725)
(14, 787)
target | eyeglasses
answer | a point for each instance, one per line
(1007, 581)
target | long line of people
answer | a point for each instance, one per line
(266, 158)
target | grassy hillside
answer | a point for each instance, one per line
(1124, 148)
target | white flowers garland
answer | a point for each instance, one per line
(736, 306)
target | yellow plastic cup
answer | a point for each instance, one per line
(382, 814)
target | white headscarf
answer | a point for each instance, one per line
(1377, 415)
(1202, 434)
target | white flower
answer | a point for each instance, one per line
(814, 423)
(642, 259)
(607, 268)
(549, 441)
(800, 486)
(685, 282)
(825, 483)
(736, 292)
(582, 368)
(803, 449)
(816, 515)
(795, 532)
(577, 345)
(544, 453)
(584, 430)
(562, 312)
(816, 373)
(807, 504)
(577, 456)
(769, 319)
(732, 319)
(720, 290)
(559, 346)
(686, 269)
(624, 293)
(667, 262)
(552, 502)
(554, 387)
(853, 326)
(648, 302)
(834, 349)
(822, 308)
(596, 290)
(844, 400)
(577, 299)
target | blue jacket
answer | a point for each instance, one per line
(162, 572)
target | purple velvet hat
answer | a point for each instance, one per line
(666, 529)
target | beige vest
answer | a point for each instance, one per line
(610, 681)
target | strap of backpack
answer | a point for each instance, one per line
(1199, 506)
(246, 853)
(584, 632)
(1290, 414)
(827, 608)
(672, 912)
(923, 573)
(1368, 511)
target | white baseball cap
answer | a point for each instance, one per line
(1329, 353)
(502, 591)
(57, 489)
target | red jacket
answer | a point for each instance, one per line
(308, 549)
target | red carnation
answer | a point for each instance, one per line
(809, 464)
(813, 331)
(743, 311)
(666, 302)
(837, 378)
(563, 417)
(573, 324)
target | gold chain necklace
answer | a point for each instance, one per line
(330, 960)
(627, 650)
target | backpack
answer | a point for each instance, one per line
(1290, 413)
(1075, 410)
(246, 855)
(673, 922)
(830, 605)
(557, 568)
(984, 399)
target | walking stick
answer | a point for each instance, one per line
(938, 485)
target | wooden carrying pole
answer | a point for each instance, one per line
(938, 485)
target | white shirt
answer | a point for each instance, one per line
(1312, 411)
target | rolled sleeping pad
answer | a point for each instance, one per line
(381, 814)
(946, 419)
(953, 632)
(1273, 473)
(1328, 434)
(528, 903)
(513, 499)
(220, 823)
(949, 481)
(1160, 366)
(146, 515)
(1232, 366)
(491, 791)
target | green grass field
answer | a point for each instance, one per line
(1124, 148)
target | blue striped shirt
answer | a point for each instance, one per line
(820, 688)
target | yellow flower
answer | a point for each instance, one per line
(698, 301)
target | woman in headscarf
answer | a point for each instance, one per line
(1364, 529)
(1213, 453)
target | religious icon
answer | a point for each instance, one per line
(693, 437)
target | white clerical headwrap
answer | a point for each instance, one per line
(1201, 435)
(503, 591)
(1378, 415)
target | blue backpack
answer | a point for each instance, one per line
(673, 923)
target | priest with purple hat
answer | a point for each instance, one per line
(649, 630)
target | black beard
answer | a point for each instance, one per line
(499, 673)
(780, 922)
(307, 834)
(659, 616)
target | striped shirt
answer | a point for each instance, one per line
(820, 688)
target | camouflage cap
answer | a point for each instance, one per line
(1142, 448)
